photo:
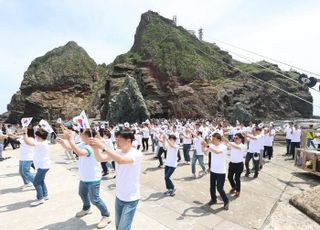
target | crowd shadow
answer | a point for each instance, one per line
(72, 223)
(154, 197)
(111, 186)
(11, 190)
(15, 206)
(9, 175)
(202, 210)
(151, 169)
(186, 178)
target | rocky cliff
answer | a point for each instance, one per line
(174, 75)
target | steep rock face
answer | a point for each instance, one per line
(181, 76)
(128, 104)
(57, 84)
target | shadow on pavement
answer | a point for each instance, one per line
(9, 175)
(154, 197)
(72, 223)
(15, 206)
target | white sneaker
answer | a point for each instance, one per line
(194, 176)
(105, 220)
(37, 202)
(26, 186)
(83, 213)
(46, 198)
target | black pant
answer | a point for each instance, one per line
(293, 147)
(288, 142)
(161, 150)
(104, 167)
(145, 144)
(235, 170)
(268, 151)
(13, 142)
(255, 163)
(168, 171)
(217, 180)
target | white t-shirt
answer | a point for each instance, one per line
(26, 151)
(186, 139)
(128, 177)
(160, 140)
(146, 133)
(89, 167)
(288, 131)
(172, 156)
(254, 144)
(41, 157)
(236, 155)
(197, 145)
(296, 135)
(268, 140)
(218, 160)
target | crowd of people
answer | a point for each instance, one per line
(120, 148)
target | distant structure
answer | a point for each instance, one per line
(200, 34)
(174, 19)
(192, 32)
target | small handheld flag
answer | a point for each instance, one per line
(25, 121)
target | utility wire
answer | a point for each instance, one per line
(264, 67)
(272, 59)
(264, 82)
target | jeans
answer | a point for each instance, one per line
(125, 211)
(234, 173)
(161, 150)
(1, 149)
(39, 183)
(194, 161)
(255, 163)
(310, 142)
(153, 142)
(168, 171)
(24, 171)
(89, 191)
(145, 144)
(288, 142)
(217, 180)
(186, 149)
(293, 147)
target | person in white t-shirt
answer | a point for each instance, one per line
(217, 169)
(171, 163)
(296, 139)
(253, 151)
(41, 162)
(145, 137)
(288, 131)
(25, 160)
(128, 167)
(237, 152)
(198, 154)
(187, 141)
(90, 175)
(268, 142)
(161, 142)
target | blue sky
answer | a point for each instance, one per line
(284, 30)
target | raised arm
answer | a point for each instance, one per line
(68, 136)
(26, 139)
(111, 154)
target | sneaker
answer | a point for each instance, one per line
(187, 163)
(212, 202)
(202, 173)
(237, 194)
(83, 213)
(159, 166)
(105, 220)
(194, 176)
(232, 190)
(226, 206)
(37, 202)
(26, 186)
(247, 174)
(167, 193)
(46, 198)
(173, 192)
(105, 173)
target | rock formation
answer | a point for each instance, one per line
(176, 75)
